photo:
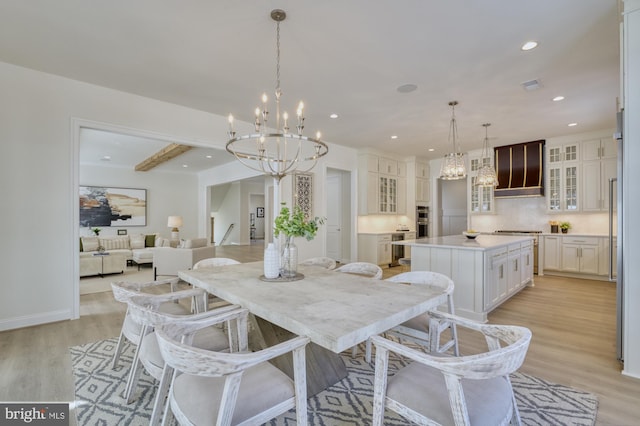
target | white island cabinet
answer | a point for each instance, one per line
(486, 271)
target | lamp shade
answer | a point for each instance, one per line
(174, 222)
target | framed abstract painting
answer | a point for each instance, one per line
(106, 206)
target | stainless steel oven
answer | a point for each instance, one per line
(422, 221)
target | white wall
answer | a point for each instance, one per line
(39, 175)
(339, 157)
(167, 194)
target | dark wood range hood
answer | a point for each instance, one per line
(520, 169)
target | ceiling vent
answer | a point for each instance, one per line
(531, 85)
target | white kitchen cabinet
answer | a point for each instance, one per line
(552, 252)
(599, 149)
(481, 197)
(599, 165)
(480, 275)
(374, 248)
(526, 263)
(508, 269)
(381, 189)
(563, 178)
(497, 278)
(387, 166)
(423, 191)
(514, 273)
(422, 182)
(580, 255)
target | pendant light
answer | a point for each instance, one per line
(453, 167)
(487, 173)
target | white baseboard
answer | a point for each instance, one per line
(36, 319)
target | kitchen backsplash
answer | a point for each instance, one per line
(531, 214)
(383, 223)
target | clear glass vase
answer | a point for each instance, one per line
(289, 265)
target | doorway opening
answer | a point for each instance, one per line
(340, 219)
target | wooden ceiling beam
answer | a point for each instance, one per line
(165, 154)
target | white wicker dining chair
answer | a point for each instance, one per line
(144, 311)
(214, 261)
(423, 329)
(230, 388)
(125, 290)
(446, 390)
(365, 269)
(325, 262)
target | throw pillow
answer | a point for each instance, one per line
(115, 243)
(150, 240)
(182, 244)
(90, 243)
(137, 241)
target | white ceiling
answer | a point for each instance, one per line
(347, 57)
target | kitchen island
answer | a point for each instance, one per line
(486, 270)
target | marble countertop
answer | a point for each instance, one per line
(572, 234)
(481, 242)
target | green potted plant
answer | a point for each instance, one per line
(293, 224)
(564, 226)
(96, 231)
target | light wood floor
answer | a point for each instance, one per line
(573, 325)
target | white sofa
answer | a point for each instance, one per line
(133, 248)
(168, 261)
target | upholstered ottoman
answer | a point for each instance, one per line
(90, 265)
(142, 256)
(113, 263)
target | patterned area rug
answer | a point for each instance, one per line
(348, 402)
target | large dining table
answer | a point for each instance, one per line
(335, 310)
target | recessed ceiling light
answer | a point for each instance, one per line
(558, 98)
(334, 115)
(431, 149)
(185, 166)
(394, 137)
(572, 124)
(529, 45)
(106, 158)
(209, 156)
(407, 88)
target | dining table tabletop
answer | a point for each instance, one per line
(335, 310)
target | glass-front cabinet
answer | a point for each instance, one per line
(388, 195)
(481, 196)
(563, 173)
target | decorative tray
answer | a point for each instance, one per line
(297, 277)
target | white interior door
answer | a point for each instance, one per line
(334, 216)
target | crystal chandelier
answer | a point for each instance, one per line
(486, 174)
(453, 167)
(275, 151)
